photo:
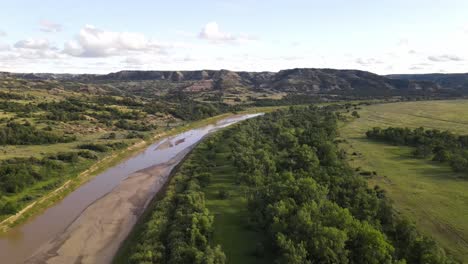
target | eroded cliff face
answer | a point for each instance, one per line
(304, 80)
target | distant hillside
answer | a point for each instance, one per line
(457, 81)
(309, 81)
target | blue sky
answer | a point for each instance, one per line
(103, 36)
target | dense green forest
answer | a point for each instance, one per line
(310, 206)
(440, 146)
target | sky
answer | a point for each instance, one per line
(102, 36)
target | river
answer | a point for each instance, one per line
(89, 224)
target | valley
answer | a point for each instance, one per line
(77, 148)
(425, 191)
(114, 198)
(270, 190)
(233, 132)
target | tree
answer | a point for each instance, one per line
(368, 245)
(422, 151)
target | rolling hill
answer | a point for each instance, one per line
(300, 80)
(457, 81)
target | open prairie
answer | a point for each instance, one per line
(427, 192)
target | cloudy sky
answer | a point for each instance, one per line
(101, 36)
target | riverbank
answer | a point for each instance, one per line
(95, 235)
(38, 206)
(86, 208)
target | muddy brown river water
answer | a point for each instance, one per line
(90, 223)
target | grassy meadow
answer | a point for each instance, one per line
(429, 193)
(230, 226)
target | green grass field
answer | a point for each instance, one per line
(230, 226)
(427, 192)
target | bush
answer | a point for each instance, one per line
(117, 145)
(94, 147)
(133, 134)
(366, 173)
(26, 134)
(112, 135)
(8, 207)
(65, 156)
(223, 194)
(204, 178)
(87, 154)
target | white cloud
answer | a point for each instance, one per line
(184, 33)
(37, 44)
(30, 54)
(445, 58)
(95, 42)
(368, 61)
(134, 61)
(72, 48)
(212, 32)
(2, 33)
(101, 50)
(416, 68)
(403, 42)
(295, 43)
(49, 26)
(4, 46)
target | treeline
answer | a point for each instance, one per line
(440, 146)
(311, 205)
(14, 96)
(106, 110)
(289, 99)
(70, 109)
(17, 174)
(179, 228)
(125, 101)
(182, 106)
(73, 109)
(68, 105)
(137, 126)
(103, 147)
(191, 110)
(177, 104)
(15, 107)
(26, 134)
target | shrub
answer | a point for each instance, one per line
(223, 194)
(8, 207)
(94, 147)
(87, 154)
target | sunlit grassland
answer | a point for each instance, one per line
(427, 192)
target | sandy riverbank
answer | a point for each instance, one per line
(95, 236)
